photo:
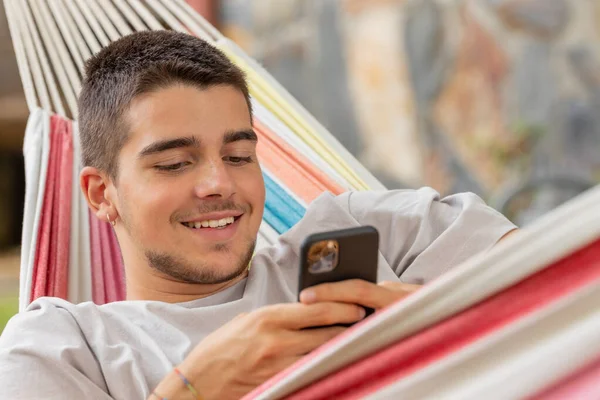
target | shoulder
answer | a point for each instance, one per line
(362, 199)
(423, 210)
(406, 204)
(406, 201)
(407, 195)
(44, 316)
(46, 330)
(43, 309)
(55, 316)
(51, 327)
(46, 341)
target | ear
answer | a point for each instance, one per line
(94, 185)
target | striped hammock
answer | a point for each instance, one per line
(521, 321)
(70, 254)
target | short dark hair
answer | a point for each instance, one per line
(141, 63)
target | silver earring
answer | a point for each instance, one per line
(113, 222)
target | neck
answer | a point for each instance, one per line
(156, 286)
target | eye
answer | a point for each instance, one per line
(172, 167)
(238, 160)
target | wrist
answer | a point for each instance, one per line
(196, 376)
(171, 388)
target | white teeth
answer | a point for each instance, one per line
(213, 223)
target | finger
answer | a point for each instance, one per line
(400, 286)
(354, 291)
(299, 316)
(331, 313)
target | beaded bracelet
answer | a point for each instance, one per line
(188, 384)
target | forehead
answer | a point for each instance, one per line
(183, 110)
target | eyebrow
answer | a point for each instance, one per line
(235, 136)
(164, 145)
(191, 141)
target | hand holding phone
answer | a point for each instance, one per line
(339, 255)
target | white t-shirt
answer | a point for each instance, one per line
(122, 350)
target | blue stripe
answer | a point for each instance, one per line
(281, 210)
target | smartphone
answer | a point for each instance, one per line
(339, 255)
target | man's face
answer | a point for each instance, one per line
(190, 190)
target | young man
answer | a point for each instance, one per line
(170, 160)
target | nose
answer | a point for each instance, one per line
(214, 181)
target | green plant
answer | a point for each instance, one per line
(9, 306)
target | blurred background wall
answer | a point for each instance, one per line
(497, 97)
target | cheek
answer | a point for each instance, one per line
(252, 187)
(151, 204)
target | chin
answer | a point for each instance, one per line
(222, 261)
(224, 272)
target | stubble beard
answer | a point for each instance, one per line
(200, 272)
(197, 272)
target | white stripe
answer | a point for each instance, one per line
(81, 259)
(261, 242)
(59, 57)
(84, 51)
(33, 47)
(59, 17)
(114, 17)
(83, 26)
(146, 15)
(74, 241)
(93, 22)
(36, 151)
(34, 181)
(169, 19)
(131, 16)
(269, 234)
(22, 63)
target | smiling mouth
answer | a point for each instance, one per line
(211, 223)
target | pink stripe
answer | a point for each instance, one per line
(119, 270)
(107, 267)
(107, 259)
(303, 164)
(96, 256)
(43, 251)
(290, 167)
(61, 271)
(58, 137)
